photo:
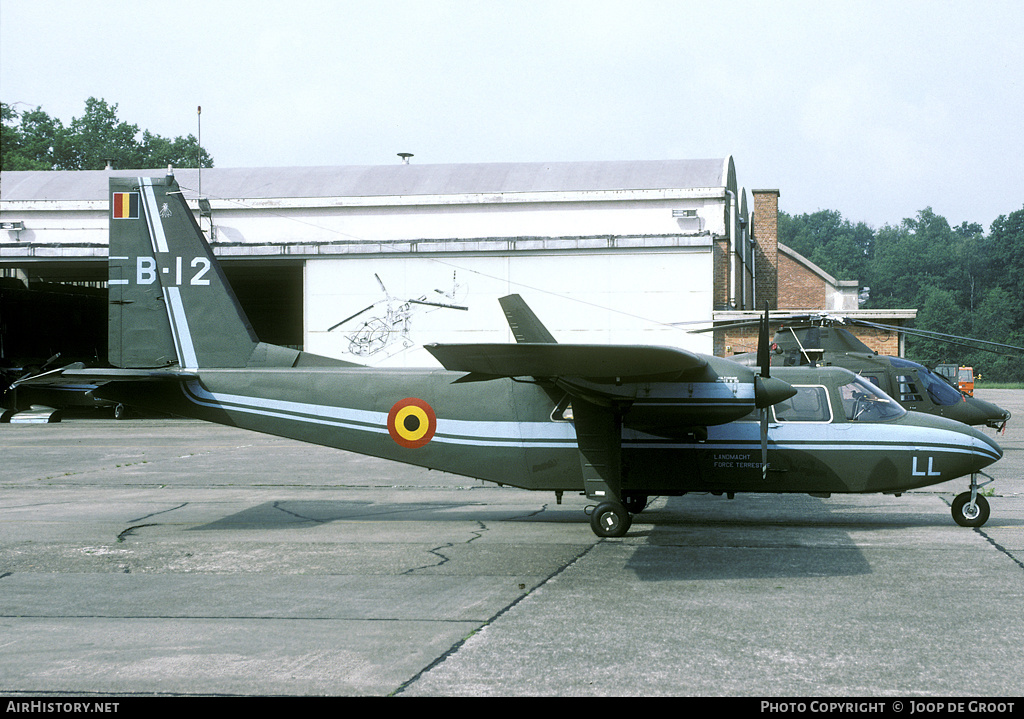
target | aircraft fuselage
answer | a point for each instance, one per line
(510, 433)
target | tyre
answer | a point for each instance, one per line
(967, 516)
(610, 519)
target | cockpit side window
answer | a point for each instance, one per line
(864, 402)
(809, 404)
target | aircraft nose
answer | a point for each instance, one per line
(986, 449)
(992, 415)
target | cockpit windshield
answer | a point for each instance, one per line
(864, 402)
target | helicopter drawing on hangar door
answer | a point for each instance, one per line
(392, 325)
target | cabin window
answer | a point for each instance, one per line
(809, 404)
(939, 390)
(908, 388)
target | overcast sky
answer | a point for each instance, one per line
(875, 109)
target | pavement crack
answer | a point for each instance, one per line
(999, 547)
(278, 507)
(128, 532)
(162, 511)
(454, 649)
(444, 559)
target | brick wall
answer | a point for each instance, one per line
(738, 340)
(720, 261)
(799, 288)
(766, 234)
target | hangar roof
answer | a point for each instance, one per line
(389, 180)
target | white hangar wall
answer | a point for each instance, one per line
(597, 297)
(437, 217)
(602, 251)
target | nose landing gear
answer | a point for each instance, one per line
(970, 509)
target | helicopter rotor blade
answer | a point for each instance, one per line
(437, 304)
(939, 336)
(339, 324)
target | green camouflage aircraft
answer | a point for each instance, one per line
(619, 423)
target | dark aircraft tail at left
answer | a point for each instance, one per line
(170, 303)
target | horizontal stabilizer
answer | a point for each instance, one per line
(78, 374)
(595, 362)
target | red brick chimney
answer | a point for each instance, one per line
(766, 257)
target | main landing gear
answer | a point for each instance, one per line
(610, 519)
(970, 509)
(613, 519)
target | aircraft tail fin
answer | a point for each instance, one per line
(526, 326)
(169, 300)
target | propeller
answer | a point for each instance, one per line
(767, 389)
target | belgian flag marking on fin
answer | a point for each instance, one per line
(412, 422)
(125, 206)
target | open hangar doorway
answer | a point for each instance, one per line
(59, 308)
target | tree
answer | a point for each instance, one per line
(35, 141)
(1005, 249)
(910, 259)
(828, 240)
(28, 140)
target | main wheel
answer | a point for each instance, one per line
(970, 516)
(610, 519)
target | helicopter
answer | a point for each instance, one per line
(821, 341)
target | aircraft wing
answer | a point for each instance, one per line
(593, 362)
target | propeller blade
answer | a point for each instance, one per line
(764, 359)
(764, 443)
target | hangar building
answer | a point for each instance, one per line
(368, 263)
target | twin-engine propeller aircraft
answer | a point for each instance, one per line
(619, 423)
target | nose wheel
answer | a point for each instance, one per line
(969, 513)
(970, 509)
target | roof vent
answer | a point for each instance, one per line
(405, 157)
